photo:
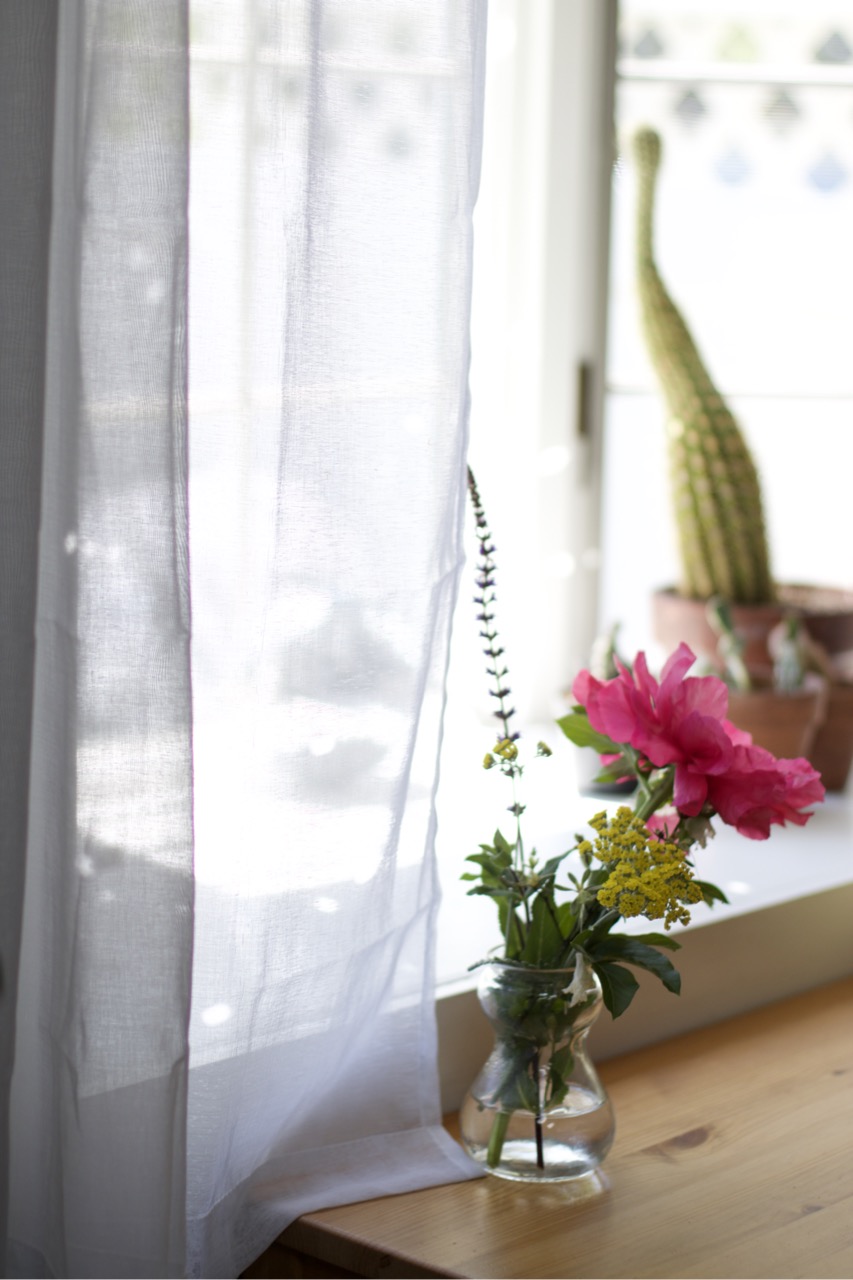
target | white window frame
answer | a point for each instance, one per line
(541, 243)
(539, 315)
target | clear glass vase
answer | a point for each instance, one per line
(538, 1112)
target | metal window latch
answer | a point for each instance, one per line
(584, 397)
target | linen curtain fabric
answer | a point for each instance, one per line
(221, 833)
(98, 1099)
(27, 47)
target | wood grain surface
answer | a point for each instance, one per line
(733, 1158)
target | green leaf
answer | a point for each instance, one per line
(559, 1070)
(490, 857)
(502, 846)
(552, 866)
(510, 928)
(595, 932)
(654, 940)
(491, 867)
(710, 892)
(578, 730)
(619, 946)
(566, 919)
(521, 1092)
(544, 942)
(562, 1062)
(516, 1086)
(616, 770)
(618, 986)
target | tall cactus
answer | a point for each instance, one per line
(716, 493)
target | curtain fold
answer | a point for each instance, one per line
(329, 433)
(27, 59)
(225, 1000)
(98, 1100)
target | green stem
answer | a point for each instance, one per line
(540, 1146)
(549, 904)
(654, 798)
(512, 772)
(497, 1137)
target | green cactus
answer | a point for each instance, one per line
(730, 645)
(715, 487)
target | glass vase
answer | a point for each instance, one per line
(537, 1111)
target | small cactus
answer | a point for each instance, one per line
(730, 645)
(715, 487)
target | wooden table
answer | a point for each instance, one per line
(733, 1158)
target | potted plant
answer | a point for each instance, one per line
(783, 707)
(716, 496)
(538, 1112)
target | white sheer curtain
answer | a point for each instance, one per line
(98, 1101)
(224, 1005)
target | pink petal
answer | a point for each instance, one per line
(646, 684)
(803, 783)
(705, 743)
(690, 791)
(610, 710)
(739, 737)
(701, 693)
(581, 687)
(675, 669)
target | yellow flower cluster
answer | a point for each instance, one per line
(507, 750)
(647, 877)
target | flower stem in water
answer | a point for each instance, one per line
(496, 1138)
(540, 1152)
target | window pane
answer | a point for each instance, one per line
(754, 205)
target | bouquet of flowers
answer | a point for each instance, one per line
(690, 765)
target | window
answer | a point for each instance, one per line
(754, 205)
(537, 331)
(753, 103)
(569, 560)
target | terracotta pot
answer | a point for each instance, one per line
(826, 611)
(784, 723)
(832, 750)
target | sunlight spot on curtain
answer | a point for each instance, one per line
(216, 1014)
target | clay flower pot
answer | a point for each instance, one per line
(785, 723)
(831, 752)
(827, 613)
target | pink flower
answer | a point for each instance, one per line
(680, 721)
(663, 824)
(677, 720)
(759, 791)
